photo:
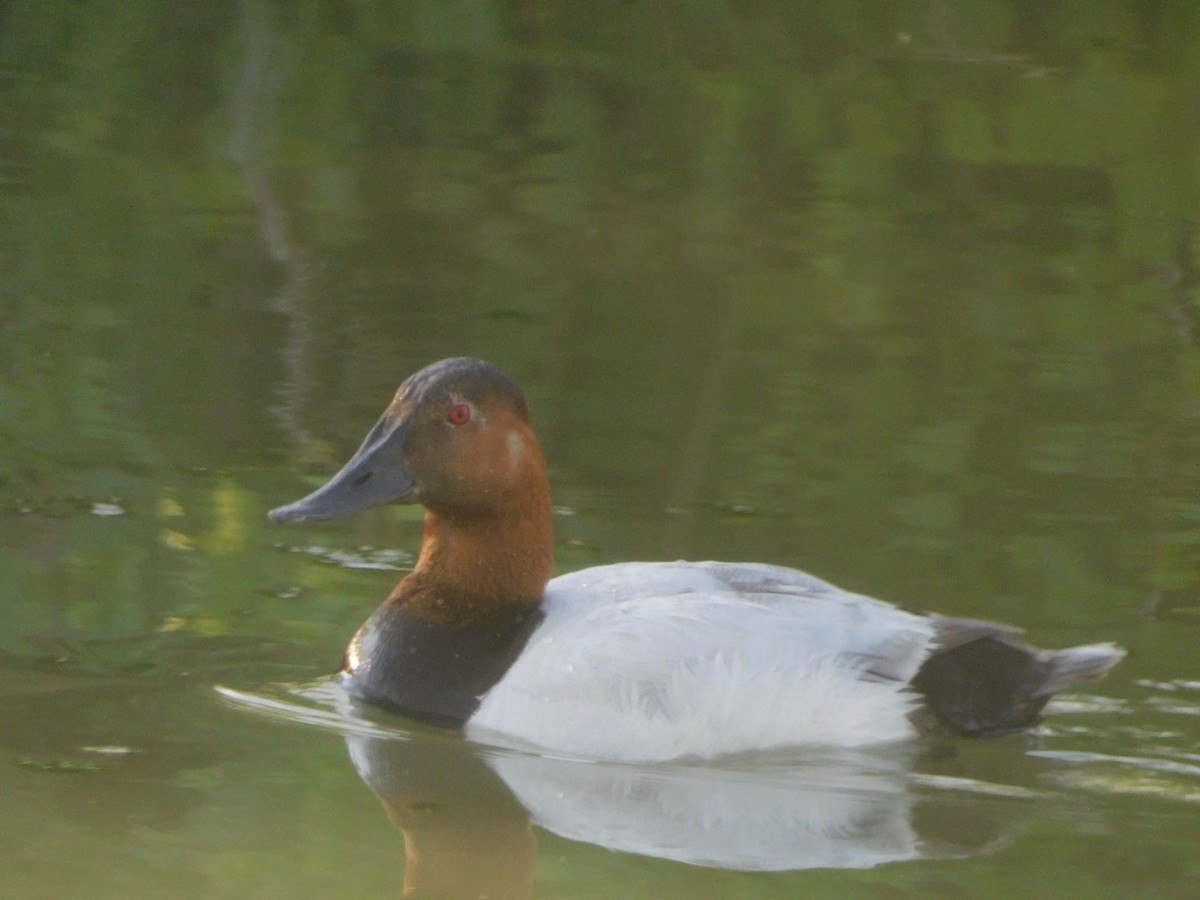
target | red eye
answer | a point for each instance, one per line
(460, 414)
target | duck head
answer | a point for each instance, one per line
(457, 439)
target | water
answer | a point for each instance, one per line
(904, 296)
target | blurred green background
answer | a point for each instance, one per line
(901, 293)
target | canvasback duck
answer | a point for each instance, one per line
(637, 661)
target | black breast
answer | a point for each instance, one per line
(431, 671)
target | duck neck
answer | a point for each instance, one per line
(483, 567)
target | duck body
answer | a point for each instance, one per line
(664, 660)
(637, 661)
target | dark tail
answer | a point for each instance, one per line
(982, 682)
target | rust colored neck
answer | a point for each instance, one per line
(488, 565)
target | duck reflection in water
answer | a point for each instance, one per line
(466, 811)
(470, 814)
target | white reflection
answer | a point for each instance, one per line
(465, 809)
(819, 810)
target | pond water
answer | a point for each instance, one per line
(901, 294)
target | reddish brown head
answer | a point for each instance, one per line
(456, 439)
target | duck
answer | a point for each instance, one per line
(637, 661)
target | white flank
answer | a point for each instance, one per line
(655, 661)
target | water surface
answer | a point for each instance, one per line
(902, 294)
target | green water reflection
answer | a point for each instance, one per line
(903, 294)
